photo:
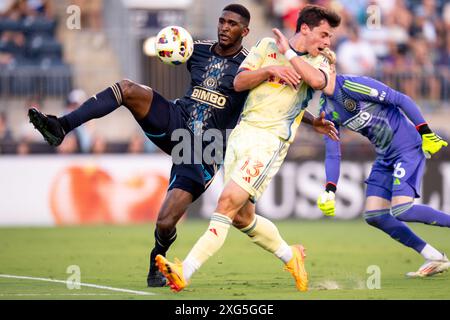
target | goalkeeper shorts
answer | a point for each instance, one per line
(398, 176)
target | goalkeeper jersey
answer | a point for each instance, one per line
(273, 105)
(376, 111)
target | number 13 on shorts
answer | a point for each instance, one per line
(251, 169)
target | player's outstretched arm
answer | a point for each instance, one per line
(326, 201)
(371, 90)
(368, 89)
(431, 142)
(315, 78)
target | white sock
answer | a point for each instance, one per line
(207, 245)
(265, 234)
(284, 253)
(431, 253)
(190, 266)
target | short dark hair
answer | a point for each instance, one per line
(312, 15)
(240, 10)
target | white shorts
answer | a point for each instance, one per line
(253, 158)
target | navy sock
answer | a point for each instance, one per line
(419, 213)
(163, 243)
(383, 220)
(96, 107)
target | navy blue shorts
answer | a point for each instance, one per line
(163, 119)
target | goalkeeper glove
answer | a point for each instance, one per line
(326, 201)
(330, 55)
(431, 142)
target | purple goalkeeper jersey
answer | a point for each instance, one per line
(376, 111)
(371, 108)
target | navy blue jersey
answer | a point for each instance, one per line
(374, 110)
(211, 102)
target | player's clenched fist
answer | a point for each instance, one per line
(327, 203)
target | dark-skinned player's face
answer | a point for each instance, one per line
(231, 29)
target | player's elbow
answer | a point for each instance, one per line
(318, 83)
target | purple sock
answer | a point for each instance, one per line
(96, 107)
(419, 213)
(397, 230)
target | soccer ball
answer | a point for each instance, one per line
(174, 45)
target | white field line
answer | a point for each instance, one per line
(58, 295)
(141, 293)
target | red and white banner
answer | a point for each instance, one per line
(83, 190)
(54, 190)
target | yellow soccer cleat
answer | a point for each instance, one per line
(296, 267)
(173, 273)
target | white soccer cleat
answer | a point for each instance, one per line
(430, 268)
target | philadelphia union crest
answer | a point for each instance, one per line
(350, 105)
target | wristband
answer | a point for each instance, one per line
(330, 187)
(424, 129)
(290, 54)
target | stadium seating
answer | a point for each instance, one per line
(37, 66)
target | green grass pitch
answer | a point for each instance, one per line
(339, 254)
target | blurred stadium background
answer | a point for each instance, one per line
(107, 172)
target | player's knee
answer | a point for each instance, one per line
(227, 203)
(240, 222)
(244, 218)
(372, 221)
(166, 226)
(168, 219)
(380, 221)
(128, 87)
(136, 98)
(131, 90)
